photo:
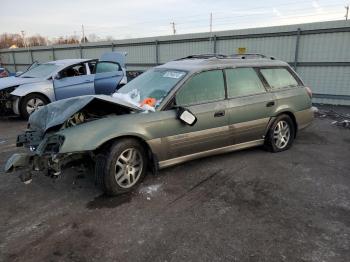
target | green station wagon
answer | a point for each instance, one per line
(196, 106)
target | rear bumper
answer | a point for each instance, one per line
(304, 118)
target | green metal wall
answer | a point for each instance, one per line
(320, 52)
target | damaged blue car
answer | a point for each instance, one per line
(44, 83)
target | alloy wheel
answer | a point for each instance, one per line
(281, 134)
(129, 167)
(34, 104)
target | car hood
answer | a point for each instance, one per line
(15, 81)
(56, 113)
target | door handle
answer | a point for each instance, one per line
(219, 114)
(271, 103)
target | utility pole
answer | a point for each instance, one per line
(174, 29)
(83, 31)
(211, 23)
(23, 40)
(347, 12)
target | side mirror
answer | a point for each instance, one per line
(56, 76)
(186, 116)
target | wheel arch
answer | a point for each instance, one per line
(288, 113)
(292, 116)
(153, 164)
(34, 93)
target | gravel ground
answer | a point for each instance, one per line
(249, 205)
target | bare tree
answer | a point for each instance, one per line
(65, 40)
(7, 40)
(36, 40)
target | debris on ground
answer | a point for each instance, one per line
(340, 119)
(344, 123)
(150, 190)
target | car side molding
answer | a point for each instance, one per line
(221, 150)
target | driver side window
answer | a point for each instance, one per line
(75, 70)
(201, 88)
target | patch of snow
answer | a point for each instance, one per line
(150, 190)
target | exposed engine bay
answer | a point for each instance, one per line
(43, 141)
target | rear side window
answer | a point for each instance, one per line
(243, 81)
(203, 87)
(278, 77)
(106, 67)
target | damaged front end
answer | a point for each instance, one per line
(44, 141)
(43, 155)
(6, 101)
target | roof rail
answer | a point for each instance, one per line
(203, 56)
(251, 56)
(221, 56)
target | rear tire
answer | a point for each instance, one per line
(121, 167)
(281, 134)
(30, 103)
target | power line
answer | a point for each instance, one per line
(201, 20)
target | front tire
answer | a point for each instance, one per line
(281, 134)
(30, 103)
(121, 167)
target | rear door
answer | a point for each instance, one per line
(250, 105)
(204, 95)
(74, 81)
(109, 72)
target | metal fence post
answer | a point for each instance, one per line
(214, 46)
(81, 51)
(31, 56)
(53, 53)
(14, 60)
(296, 54)
(157, 51)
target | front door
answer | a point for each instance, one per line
(73, 81)
(204, 95)
(109, 72)
(250, 106)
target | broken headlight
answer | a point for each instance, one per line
(52, 144)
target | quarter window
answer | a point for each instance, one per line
(279, 78)
(106, 67)
(203, 87)
(243, 81)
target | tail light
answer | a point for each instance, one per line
(309, 91)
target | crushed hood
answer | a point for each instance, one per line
(58, 112)
(15, 81)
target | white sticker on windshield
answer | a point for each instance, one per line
(173, 74)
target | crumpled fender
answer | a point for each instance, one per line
(18, 160)
(44, 87)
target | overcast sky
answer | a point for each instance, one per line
(139, 18)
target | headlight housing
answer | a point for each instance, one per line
(51, 145)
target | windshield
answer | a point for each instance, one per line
(40, 71)
(155, 83)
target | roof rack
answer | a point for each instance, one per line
(233, 56)
(251, 56)
(203, 56)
